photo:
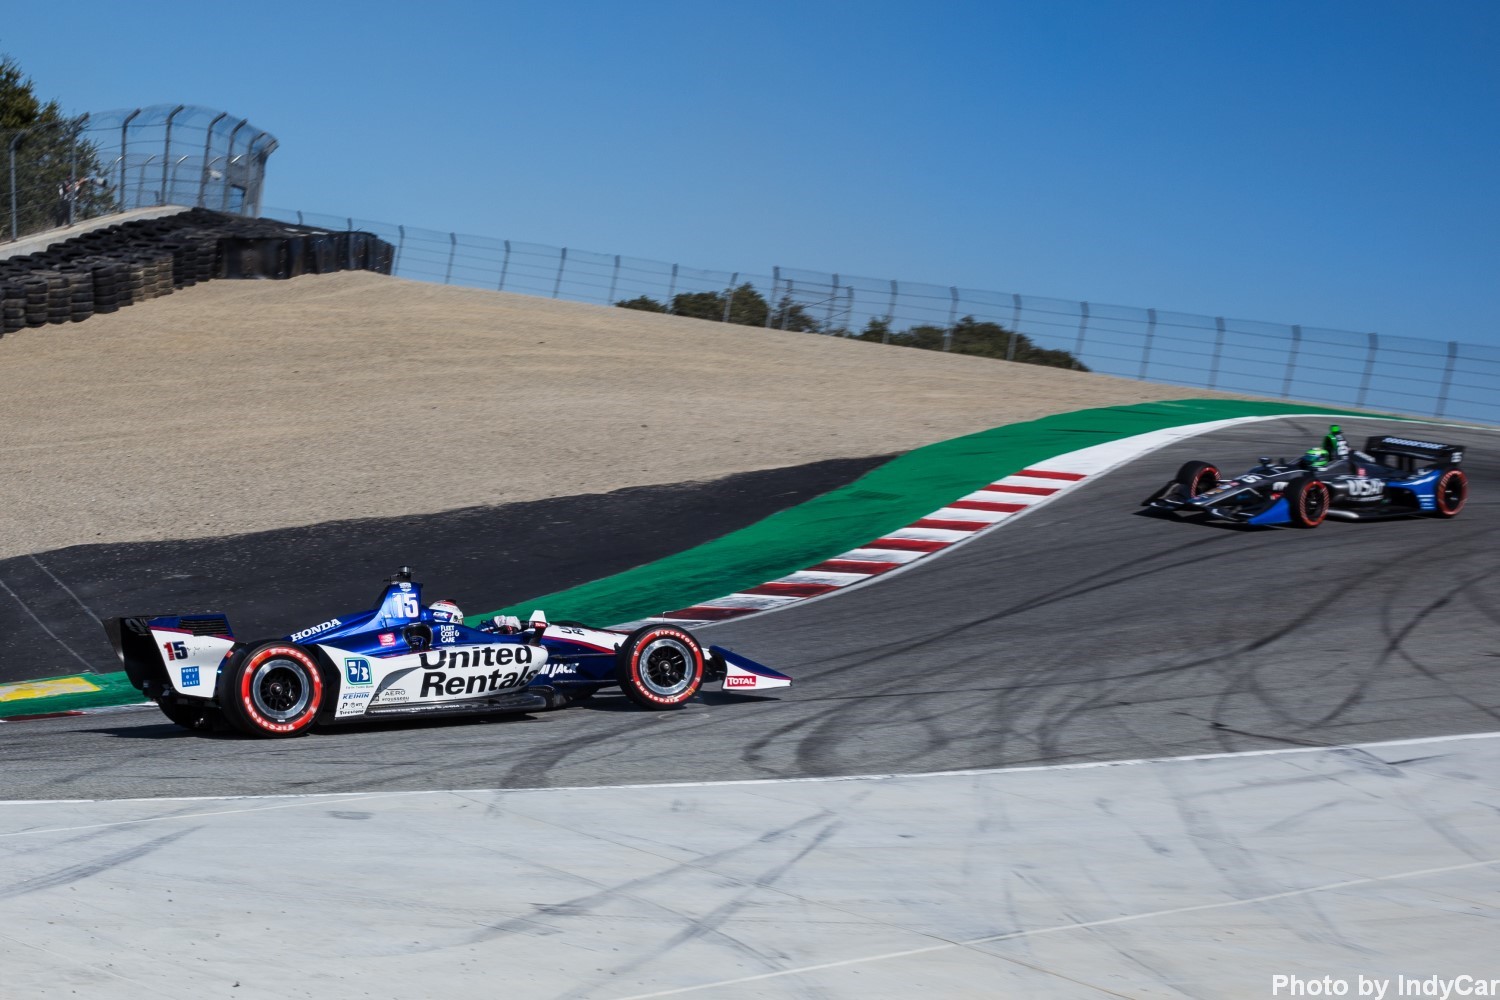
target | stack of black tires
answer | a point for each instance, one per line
(105, 269)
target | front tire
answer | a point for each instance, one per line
(1196, 478)
(1309, 500)
(1451, 494)
(274, 690)
(660, 667)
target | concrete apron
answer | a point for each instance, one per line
(1188, 877)
(38, 242)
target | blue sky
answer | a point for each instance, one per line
(1326, 163)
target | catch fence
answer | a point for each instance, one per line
(65, 172)
(1442, 378)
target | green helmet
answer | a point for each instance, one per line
(1315, 458)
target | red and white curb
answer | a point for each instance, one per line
(972, 514)
(961, 520)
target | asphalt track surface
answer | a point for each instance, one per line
(1082, 631)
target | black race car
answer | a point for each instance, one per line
(1390, 477)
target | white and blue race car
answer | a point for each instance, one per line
(403, 659)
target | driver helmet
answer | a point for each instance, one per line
(1316, 458)
(446, 611)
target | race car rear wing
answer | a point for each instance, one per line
(1411, 454)
(166, 653)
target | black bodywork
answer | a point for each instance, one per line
(1391, 477)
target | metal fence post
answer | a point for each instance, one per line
(172, 184)
(166, 150)
(124, 139)
(890, 314)
(1213, 368)
(1291, 362)
(1364, 382)
(141, 184)
(614, 280)
(229, 163)
(1083, 325)
(832, 297)
(400, 245)
(15, 222)
(72, 198)
(208, 140)
(299, 217)
(256, 180)
(562, 262)
(1150, 336)
(952, 318)
(452, 252)
(734, 280)
(787, 312)
(1442, 403)
(83, 125)
(504, 267)
(1015, 327)
(849, 312)
(672, 290)
(775, 286)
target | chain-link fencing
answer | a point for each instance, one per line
(65, 172)
(1442, 378)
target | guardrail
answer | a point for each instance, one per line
(1443, 378)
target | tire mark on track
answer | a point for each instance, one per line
(96, 866)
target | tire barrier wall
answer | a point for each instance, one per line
(106, 269)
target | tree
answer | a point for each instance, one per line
(877, 329)
(55, 168)
(19, 107)
(971, 336)
(793, 316)
(967, 335)
(699, 305)
(642, 303)
(746, 306)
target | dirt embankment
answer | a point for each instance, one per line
(242, 406)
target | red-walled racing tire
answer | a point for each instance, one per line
(1196, 478)
(1451, 493)
(660, 666)
(1308, 500)
(273, 690)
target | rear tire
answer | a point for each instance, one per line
(1309, 500)
(660, 667)
(273, 690)
(1451, 493)
(1196, 478)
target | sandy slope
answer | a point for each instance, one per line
(239, 406)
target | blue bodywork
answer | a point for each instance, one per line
(576, 656)
(402, 657)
